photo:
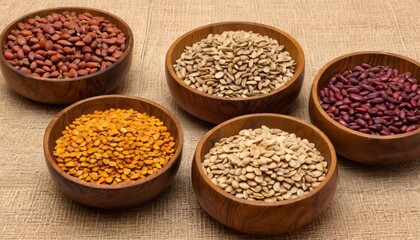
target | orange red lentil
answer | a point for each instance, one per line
(114, 146)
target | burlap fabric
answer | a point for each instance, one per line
(370, 203)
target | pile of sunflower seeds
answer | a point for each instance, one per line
(235, 64)
(265, 164)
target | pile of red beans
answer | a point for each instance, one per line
(64, 45)
(375, 100)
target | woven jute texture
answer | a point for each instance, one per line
(370, 203)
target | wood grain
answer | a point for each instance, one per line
(261, 217)
(356, 146)
(218, 109)
(120, 195)
(66, 91)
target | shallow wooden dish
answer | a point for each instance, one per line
(112, 196)
(218, 109)
(66, 91)
(261, 217)
(356, 146)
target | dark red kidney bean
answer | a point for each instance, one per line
(364, 93)
(354, 81)
(385, 132)
(366, 117)
(322, 93)
(347, 101)
(366, 105)
(351, 111)
(387, 120)
(359, 68)
(354, 127)
(357, 98)
(332, 99)
(401, 114)
(391, 100)
(337, 95)
(361, 110)
(412, 119)
(394, 129)
(366, 65)
(367, 87)
(343, 107)
(361, 122)
(373, 95)
(342, 79)
(413, 103)
(355, 104)
(331, 109)
(407, 74)
(382, 107)
(412, 128)
(412, 80)
(326, 100)
(375, 127)
(373, 110)
(365, 130)
(364, 75)
(338, 103)
(358, 115)
(330, 86)
(346, 118)
(325, 106)
(378, 120)
(396, 94)
(342, 122)
(374, 69)
(353, 90)
(338, 85)
(389, 113)
(398, 124)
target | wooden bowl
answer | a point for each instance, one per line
(262, 217)
(66, 91)
(356, 146)
(218, 109)
(121, 195)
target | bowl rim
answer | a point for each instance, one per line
(129, 46)
(295, 77)
(332, 168)
(314, 95)
(50, 159)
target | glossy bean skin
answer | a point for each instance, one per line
(70, 39)
(374, 100)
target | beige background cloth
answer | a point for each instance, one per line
(370, 203)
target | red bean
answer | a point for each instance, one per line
(374, 99)
(365, 130)
(412, 119)
(389, 113)
(357, 98)
(51, 43)
(361, 122)
(412, 128)
(353, 90)
(375, 127)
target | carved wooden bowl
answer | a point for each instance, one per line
(66, 91)
(218, 109)
(262, 217)
(360, 147)
(121, 195)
